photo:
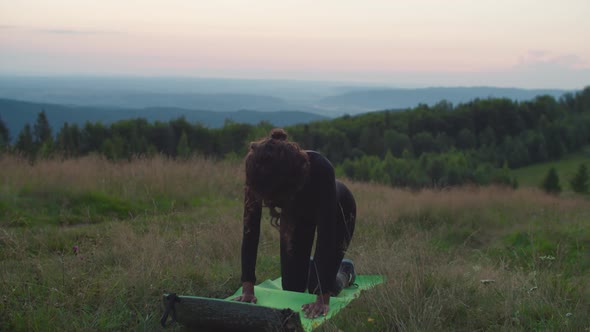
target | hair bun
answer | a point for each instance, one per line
(278, 134)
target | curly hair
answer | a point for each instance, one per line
(276, 168)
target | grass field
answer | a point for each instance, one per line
(147, 226)
(532, 176)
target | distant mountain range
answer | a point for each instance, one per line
(212, 101)
(120, 92)
(229, 95)
(17, 113)
(380, 99)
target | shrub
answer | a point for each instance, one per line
(551, 182)
(579, 182)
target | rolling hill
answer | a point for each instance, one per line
(566, 167)
(363, 100)
(17, 113)
(228, 95)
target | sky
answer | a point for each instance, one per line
(404, 43)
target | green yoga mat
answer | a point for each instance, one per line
(275, 309)
(270, 294)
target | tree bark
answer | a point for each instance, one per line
(205, 314)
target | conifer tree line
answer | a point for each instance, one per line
(425, 146)
(579, 183)
(581, 180)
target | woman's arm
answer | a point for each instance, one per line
(326, 252)
(250, 238)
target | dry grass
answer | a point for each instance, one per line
(128, 178)
(434, 248)
(434, 286)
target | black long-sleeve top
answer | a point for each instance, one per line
(315, 203)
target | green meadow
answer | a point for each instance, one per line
(566, 168)
(465, 259)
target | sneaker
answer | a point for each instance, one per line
(347, 268)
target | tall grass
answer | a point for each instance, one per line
(472, 259)
(93, 189)
(434, 248)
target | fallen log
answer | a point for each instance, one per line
(206, 314)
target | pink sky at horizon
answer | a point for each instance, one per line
(519, 43)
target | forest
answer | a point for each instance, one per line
(424, 146)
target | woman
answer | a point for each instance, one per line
(300, 189)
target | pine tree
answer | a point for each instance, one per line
(4, 136)
(42, 129)
(24, 143)
(551, 182)
(68, 140)
(183, 150)
(579, 182)
(42, 136)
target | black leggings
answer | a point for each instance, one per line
(297, 274)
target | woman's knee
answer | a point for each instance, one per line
(345, 198)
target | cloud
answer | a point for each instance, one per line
(58, 31)
(543, 58)
(75, 31)
(570, 60)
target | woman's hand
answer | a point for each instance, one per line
(247, 293)
(320, 307)
(246, 297)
